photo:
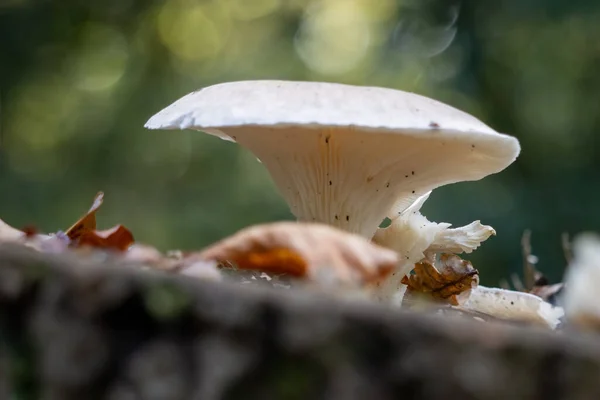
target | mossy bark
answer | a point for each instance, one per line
(82, 329)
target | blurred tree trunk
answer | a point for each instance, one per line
(73, 330)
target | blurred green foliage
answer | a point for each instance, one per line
(79, 78)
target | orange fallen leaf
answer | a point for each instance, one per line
(116, 238)
(88, 221)
(454, 278)
(84, 233)
(317, 252)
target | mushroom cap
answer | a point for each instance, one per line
(341, 154)
(317, 105)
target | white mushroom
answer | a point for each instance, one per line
(582, 280)
(414, 237)
(345, 155)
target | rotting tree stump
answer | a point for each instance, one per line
(82, 329)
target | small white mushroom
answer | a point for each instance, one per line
(414, 237)
(582, 280)
(345, 155)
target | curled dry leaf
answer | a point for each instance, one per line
(84, 233)
(451, 282)
(549, 293)
(117, 237)
(316, 252)
(545, 290)
(88, 221)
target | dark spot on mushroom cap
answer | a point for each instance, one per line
(473, 146)
(347, 218)
(369, 178)
(330, 183)
(406, 176)
(387, 184)
(336, 217)
(413, 172)
(413, 191)
(327, 138)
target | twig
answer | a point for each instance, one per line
(528, 267)
(566, 247)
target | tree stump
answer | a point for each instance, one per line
(75, 328)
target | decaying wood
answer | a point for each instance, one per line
(73, 329)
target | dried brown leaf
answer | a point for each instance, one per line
(83, 233)
(536, 282)
(548, 292)
(115, 238)
(316, 252)
(453, 278)
(88, 221)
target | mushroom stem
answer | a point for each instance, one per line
(414, 237)
(328, 176)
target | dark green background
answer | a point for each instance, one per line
(79, 79)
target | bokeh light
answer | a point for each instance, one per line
(78, 80)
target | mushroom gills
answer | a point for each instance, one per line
(350, 180)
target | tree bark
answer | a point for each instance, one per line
(78, 329)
